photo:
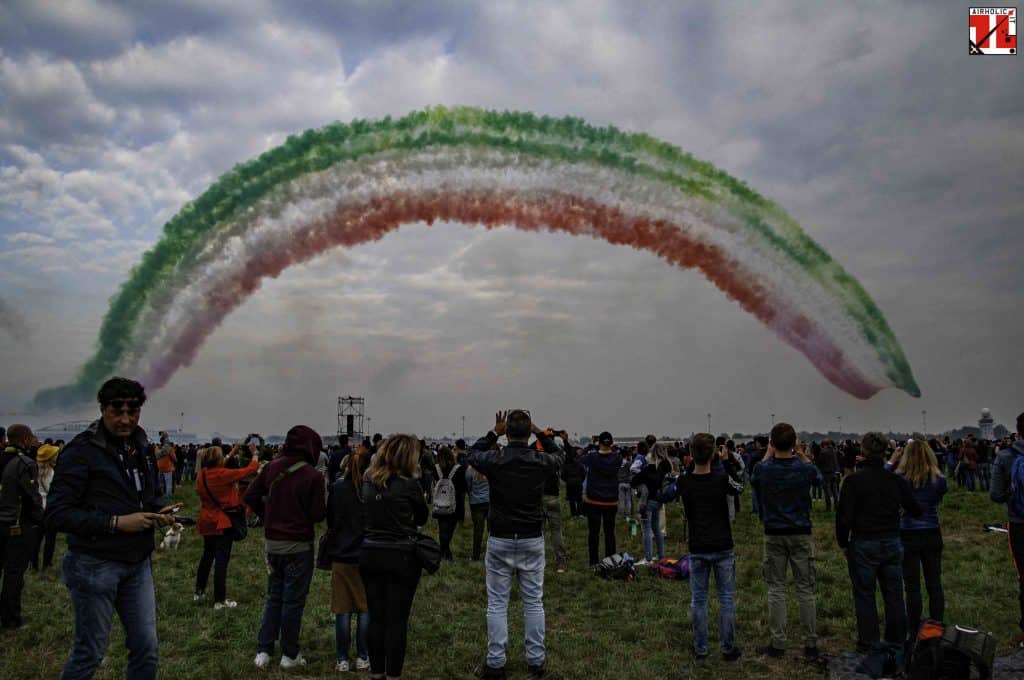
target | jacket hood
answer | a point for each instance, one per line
(304, 442)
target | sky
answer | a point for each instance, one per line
(868, 122)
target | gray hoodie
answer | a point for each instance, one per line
(1002, 474)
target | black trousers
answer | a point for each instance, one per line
(215, 549)
(479, 513)
(598, 515)
(47, 540)
(574, 494)
(390, 578)
(15, 554)
(445, 530)
(922, 550)
(1016, 538)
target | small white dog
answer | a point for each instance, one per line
(172, 538)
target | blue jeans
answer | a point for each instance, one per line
(167, 478)
(506, 557)
(877, 561)
(984, 475)
(287, 587)
(652, 525)
(97, 588)
(343, 635)
(724, 565)
(969, 479)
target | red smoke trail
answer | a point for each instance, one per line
(552, 211)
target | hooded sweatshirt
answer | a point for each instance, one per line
(293, 504)
(1002, 475)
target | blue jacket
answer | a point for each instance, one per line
(1002, 474)
(91, 484)
(478, 487)
(929, 497)
(783, 488)
(602, 476)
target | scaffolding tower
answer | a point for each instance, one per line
(350, 418)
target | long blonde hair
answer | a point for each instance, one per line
(918, 464)
(354, 468)
(398, 454)
(657, 453)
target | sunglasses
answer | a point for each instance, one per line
(129, 406)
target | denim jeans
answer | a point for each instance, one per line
(652, 530)
(877, 561)
(167, 480)
(343, 635)
(984, 475)
(507, 557)
(625, 499)
(287, 587)
(830, 483)
(97, 588)
(724, 565)
(969, 478)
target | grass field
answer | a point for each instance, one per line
(595, 628)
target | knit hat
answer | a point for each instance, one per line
(303, 441)
(46, 452)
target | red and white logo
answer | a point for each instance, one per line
(993, 30)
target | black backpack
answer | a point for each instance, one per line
(951, 653)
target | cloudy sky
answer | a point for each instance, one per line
(867, 121)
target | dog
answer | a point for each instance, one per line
(172, 538)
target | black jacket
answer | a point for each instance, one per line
(573, 472)
(91, 484)
(869, 504)
(394, 511)
(346, 522)
(517, 475)
(19, 489)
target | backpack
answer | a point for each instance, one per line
(1017, 486)
(444, 494)
(618, 567)
(951, 653)
(673, 570)
(667, 492)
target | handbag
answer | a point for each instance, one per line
(426, 549)
(239, 529)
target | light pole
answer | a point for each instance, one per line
(709, 423)
(924, 421)
(773, 420)
(839, 419)
(369, 430)
(463, 427)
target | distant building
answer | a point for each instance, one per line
(987, 424)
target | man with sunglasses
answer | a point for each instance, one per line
(106, 496)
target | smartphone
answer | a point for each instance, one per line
(173, 509)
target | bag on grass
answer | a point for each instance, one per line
(951, 653)
(672, 569)
(618, 567)
(444, 494)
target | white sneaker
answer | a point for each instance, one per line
(641, 563)
(362, 664)
(226, 604)
(342, 667)
(262, 660)
(288, 662)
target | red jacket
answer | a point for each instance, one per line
(223, 485)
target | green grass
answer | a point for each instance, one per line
(595, 628)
